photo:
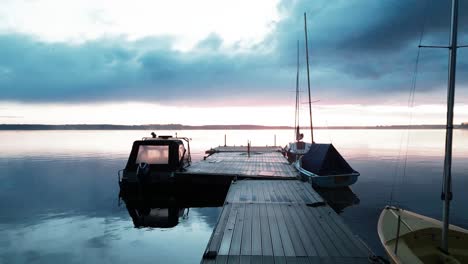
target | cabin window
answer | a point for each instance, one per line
(153, 154)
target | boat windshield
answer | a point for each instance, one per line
(181, 151)
(153, 154)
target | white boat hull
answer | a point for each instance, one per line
(329, 181)
(417, 238)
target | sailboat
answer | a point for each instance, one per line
(298, 148)
(409, 237)
(319, 163)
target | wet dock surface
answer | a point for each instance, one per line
(275, 218)
(262, 162)
(280, 221)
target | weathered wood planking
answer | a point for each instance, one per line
(244, 149)
(268, 164)
(272, 191)
(280, 221)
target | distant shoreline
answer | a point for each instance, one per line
(204, 127)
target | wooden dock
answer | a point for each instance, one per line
(270, 216)
(262, 162)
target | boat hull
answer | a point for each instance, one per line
(129, 182)
(295, 151)
(419, 238)
(328, 181)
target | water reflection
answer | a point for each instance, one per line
(162, 207)
(64, 210)
(59, 192)
(339, 198)
(156, 217)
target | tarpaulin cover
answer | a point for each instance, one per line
(324, 159)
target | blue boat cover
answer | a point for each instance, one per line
(324, 159)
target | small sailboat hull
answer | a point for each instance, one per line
(296, 150)
(324, 167)
(328, 181)
(417, 238)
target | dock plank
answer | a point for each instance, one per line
(222, 259)
(233, 260)
(301, 242)
(323, 247)
(285, 236)
(228, 232)
(217, 235)
(331, 249)
(345, 234)
(267, 247)
(296, 240)
(256, 231)
(343, 228)
(246, 241)
(323, 219)
(274, 232)
(312, 244)
(235, 247)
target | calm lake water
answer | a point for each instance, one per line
(59, 193)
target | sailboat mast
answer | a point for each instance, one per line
(447, 186)
(308, 78)
(296, 125)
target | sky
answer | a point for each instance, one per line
(226, 62)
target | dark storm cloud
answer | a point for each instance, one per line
(358, 50)
(362, 49)
(113, 69)
(34, 71)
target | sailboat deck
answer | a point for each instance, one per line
(280, 221)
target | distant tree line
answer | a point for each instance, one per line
(463, 125)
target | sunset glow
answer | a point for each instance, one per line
(223, 62)
(134, 113)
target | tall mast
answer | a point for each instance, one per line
(308, 78)
(447, 185)
(296, 124)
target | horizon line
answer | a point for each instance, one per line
(207, 127)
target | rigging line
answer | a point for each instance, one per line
(411, 99)
(413, 91)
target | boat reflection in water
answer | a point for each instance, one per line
(338, 198)
(163, 207)
(156, 217)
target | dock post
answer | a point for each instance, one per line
(275, 141)
(225, 140)
(248, 148)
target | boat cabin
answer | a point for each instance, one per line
(163, 153)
